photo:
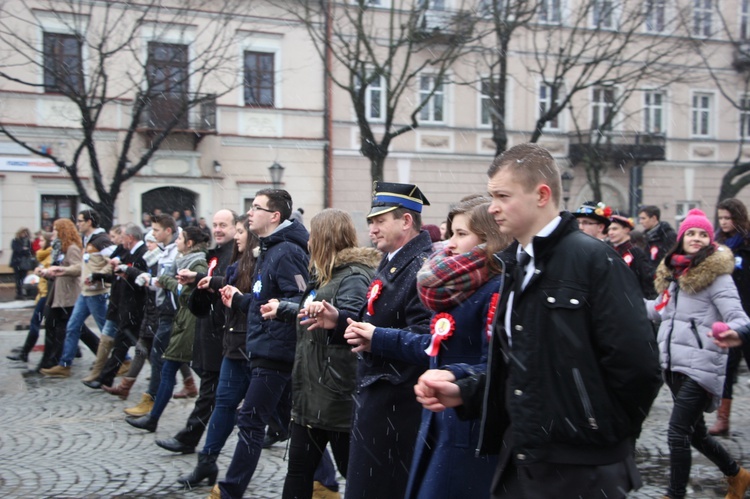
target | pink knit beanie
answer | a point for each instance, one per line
(696, 219)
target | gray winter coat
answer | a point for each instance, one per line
(706, 294)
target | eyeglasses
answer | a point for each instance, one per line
(80, 221)
(586, 222)
(255, 207)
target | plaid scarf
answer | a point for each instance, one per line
(680, 264)
(446, 280)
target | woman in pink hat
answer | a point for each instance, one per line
(696, 290)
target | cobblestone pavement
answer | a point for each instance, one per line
(61, 439)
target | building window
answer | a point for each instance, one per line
(745, 20)
(374, 98)
(655, 15)
(486, 102)
(54, 207)
(683, 207)
(549, 11)
(546, 102)
(653, 112)
(702, 14)
(432, 4)
(167, 76)
(63, 64)
(259, 79)
(701, 115)
(745, 117)
(604, 14)
(433, 110)
(602, 105)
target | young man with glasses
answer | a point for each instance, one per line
(593, 219)
(280, 273)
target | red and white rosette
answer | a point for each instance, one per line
(628, 258)
(212, 265)
(372, 294)
(442, 327)
(654, 252)
(491, 314)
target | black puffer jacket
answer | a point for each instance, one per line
(582, 371)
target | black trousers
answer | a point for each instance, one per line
(56, 320)
(125, 338)
(686, 428)
(204, 406)
(305, 452)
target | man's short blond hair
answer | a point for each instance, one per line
(531, 165)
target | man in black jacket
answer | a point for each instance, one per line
(572, 370)
(660, 236)
(209, 336)
(127, 302)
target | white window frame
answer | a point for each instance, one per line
(702, 18)
(61, 24)
(744, 130)
(547, 6)
(598, 107)
(655, 16)
(427, 113)
(651, 109)
(683, 207)
(371, 90)
(546, 101)
(744, 34)
(702, 112)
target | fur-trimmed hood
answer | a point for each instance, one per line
(369, 257)
(698, 278)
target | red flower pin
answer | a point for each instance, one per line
(372, 294)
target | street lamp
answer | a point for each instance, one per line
(276, 171)
(566, 179)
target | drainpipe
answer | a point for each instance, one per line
(327, 113)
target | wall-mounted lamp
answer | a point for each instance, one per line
(217, 167)
(277, 172)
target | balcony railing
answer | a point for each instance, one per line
(444, 26)
(741, 61)
(196, 113)
(619, 147)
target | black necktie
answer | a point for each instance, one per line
(520, 274)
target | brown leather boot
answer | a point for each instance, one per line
(122, 390)
(143, 407)
(106, 343)
(721, 426)
(188, 389)
(738, 484)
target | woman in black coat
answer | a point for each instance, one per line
(21, 247)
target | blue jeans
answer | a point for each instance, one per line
(265, 388)
(85, 305)
(229, 393)
(166, 387)
(34, 325)
(161, 341)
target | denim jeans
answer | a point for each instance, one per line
(161, 341)
(230, 392)
(686, 428)
(265, 388)
(85, 305)
(166, 387)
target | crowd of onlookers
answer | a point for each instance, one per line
(513, 351)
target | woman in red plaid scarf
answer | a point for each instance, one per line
(460, 284)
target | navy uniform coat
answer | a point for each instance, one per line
(386, 412)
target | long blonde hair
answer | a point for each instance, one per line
(331, 231)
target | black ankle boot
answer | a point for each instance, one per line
(143, 422)
(21, 356)
(206, 468)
